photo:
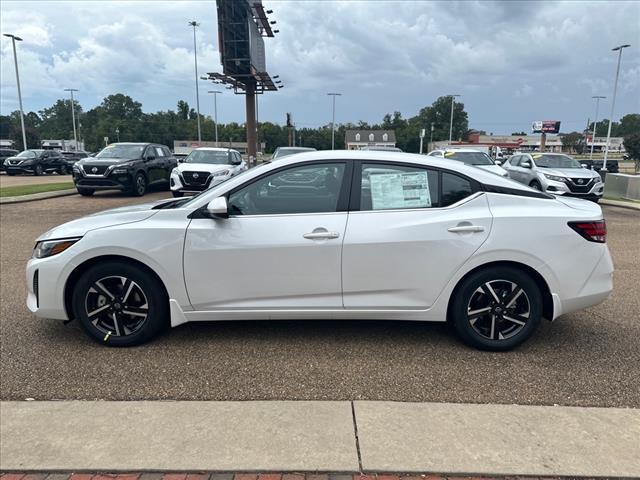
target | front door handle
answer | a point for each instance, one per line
(321, 234)
(466, 228)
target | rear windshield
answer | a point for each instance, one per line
(470, 158)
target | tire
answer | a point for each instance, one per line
(38, 170)
(536, 185)
(11, 174)
(86, 192)
(505, 325)
(63, 170)
(139, 187)
(177, 193)
(139, 303)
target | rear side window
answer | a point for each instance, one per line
(397, 187)
(454, 188)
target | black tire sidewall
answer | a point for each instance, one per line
(134, 188)
(158, 317)
(471, 283)
(86, 192)
(177, 194)
(536, 185)
(37, 170)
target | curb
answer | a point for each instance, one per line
(620, 203)
(38, 196)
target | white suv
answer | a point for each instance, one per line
(470, 157)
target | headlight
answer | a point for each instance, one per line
(122, 168)
(221, 173)
(555, 178)
(49, 248)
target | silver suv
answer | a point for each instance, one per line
(555, 173)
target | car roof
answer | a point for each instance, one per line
(454, 149)
(215, 149)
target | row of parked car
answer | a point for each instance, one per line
(38, 161)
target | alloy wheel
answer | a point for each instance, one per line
(141, 185)
(117, 306)
(498, 309)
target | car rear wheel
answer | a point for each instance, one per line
(497, 308)
(86, 192)
(177, 194)
(139, 187)
(120, 305)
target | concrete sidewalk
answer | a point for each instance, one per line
(319, 436)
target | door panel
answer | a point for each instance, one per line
(402, 259)
(264, 261)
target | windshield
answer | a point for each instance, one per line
(212, 157)
(470, 158)
(283, 152)
(554, 161)
(121, 151)
(29, 153)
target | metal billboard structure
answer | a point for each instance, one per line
(242, 27)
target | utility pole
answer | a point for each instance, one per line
(431, 139)
(421, 139)
(595, 124)
(453, 97)
(73, 117)
(195, 24)
(15, 38)
(613, 103)
(215, 110)
(333, 119)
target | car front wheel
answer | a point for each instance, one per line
(120, 305)
(38, 170)
(139, 187)
(177, 193)
(86, 192)
(496, 308)
(535, 184)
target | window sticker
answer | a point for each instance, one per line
(400, 190)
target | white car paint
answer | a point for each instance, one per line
(493, 168)
(384, 264)
(218, 173)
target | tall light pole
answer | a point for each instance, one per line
(73, 117)
(613, 103)
(195, 24)
(595, 124)
(333, 119)
(15, 38)
(451, 120)
(215, 110)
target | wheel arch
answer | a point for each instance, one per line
(547, 298)
(77, 272)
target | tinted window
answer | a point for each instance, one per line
(470, 158)
(302, 189)
(389, 186)
(167, 152)
(454, 188)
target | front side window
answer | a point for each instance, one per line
(302, 189)
(390, 187)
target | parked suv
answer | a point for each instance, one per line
(555, 173)
(69, 160)
(34, 161)
(470, 157)
(6, 153)
(205, 167)
(130, 167)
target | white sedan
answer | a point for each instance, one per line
(336, 235)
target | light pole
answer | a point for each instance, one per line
(595, 124)
(431, 138)
(118, 134)
(15, 38)
(195, 24)
(215, 110)
(613, 103)
(451, 120)
(73, 117)
(333, 119)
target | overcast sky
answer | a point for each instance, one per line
(512, 62)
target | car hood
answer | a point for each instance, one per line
(497, 169)
(202, 167)
(107, 218)
(570, 172)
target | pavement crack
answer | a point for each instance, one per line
(355, 432)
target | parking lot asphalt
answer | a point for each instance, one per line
(589, 358)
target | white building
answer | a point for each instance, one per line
(357, 139)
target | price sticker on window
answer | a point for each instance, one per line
(400, 190)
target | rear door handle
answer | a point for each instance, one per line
(466, 228)
(321, 234)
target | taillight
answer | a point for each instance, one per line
(592, 231)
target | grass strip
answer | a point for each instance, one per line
(19, 190)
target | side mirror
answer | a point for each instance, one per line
(180, 160)
(498, 162)
(584, 165)
(217, 208)
(525, 164)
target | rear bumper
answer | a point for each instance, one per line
(595, 289)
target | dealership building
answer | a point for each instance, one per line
(357, 139)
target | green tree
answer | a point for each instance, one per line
(439, 115)
(33, 138)
(632, 146)
(56, 121)
(629, 124)
(571, 141)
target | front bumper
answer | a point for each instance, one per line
(45, 291)
(17, 169)
(561, 188)
(115, 181)
(178, 184)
